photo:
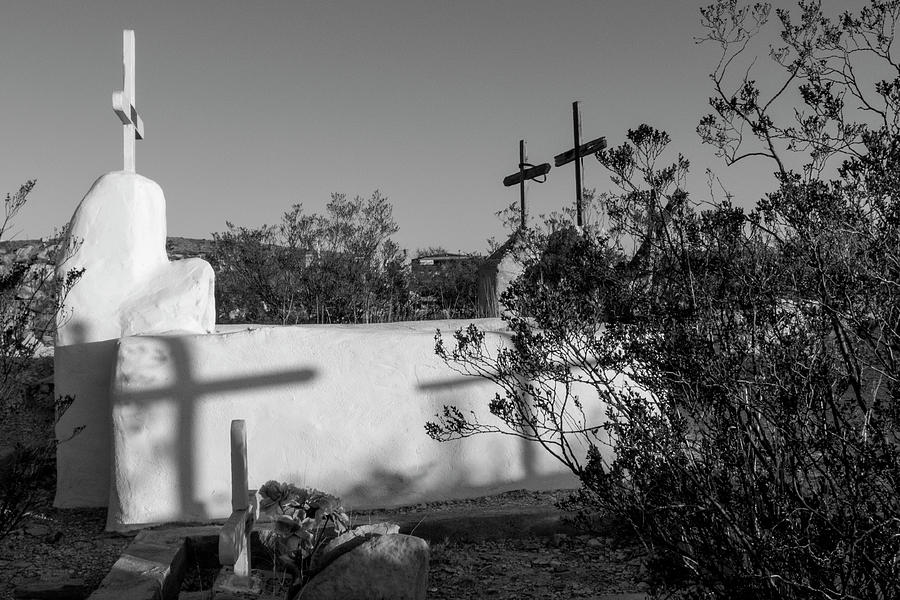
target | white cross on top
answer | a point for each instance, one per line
(123, 102)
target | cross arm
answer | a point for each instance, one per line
(128, 114)
(591, 147)
(527, 174)
(235, 533)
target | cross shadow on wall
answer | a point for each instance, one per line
(529, 450)
(186, 391)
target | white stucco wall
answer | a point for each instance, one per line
(117, 237)
(338, 408)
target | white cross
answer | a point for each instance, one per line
(123, 102)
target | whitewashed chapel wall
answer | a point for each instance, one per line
(340, 408)
(117, 236)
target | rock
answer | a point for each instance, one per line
(642, 571)
(348, 541)
(378, 528)
(594, 542)
(53, 537)
(37, 530)
(386, 566)
(7, 456)
(24, 253)
(643, 586)
(68, 589)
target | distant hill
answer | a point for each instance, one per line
(21, 250)
(181, 247)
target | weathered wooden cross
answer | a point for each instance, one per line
(234, 538)
(578, 152)
(124, 102)
(526, 172)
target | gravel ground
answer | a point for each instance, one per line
(559, 567)
(55, 544)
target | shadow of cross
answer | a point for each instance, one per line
(463, 378)
(186, 392)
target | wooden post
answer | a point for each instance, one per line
(526, 172)
(577, 152)
(579, 194)
(523, 158)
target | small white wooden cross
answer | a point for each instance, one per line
(124, 102)
(234, 538)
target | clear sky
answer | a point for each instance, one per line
(252, 106)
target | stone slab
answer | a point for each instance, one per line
(152, 566)
(70, 589)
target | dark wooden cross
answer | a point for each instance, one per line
(123, 102)
(576, 153)
(526, 172)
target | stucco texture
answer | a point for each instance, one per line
(338, 408)
(116, 239)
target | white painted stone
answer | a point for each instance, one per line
(128, 287)
(388, 566)
(338, 408)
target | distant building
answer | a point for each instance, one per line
(444, 286)
(434, 263)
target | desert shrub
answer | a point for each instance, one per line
(338, 267)
(746, 358)
(448, 290)
(754, 439)
(30, 301)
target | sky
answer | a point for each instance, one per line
(250, 107)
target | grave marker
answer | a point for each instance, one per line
(526, 172)
(234, 538)
(576, 153)
(124, 103)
